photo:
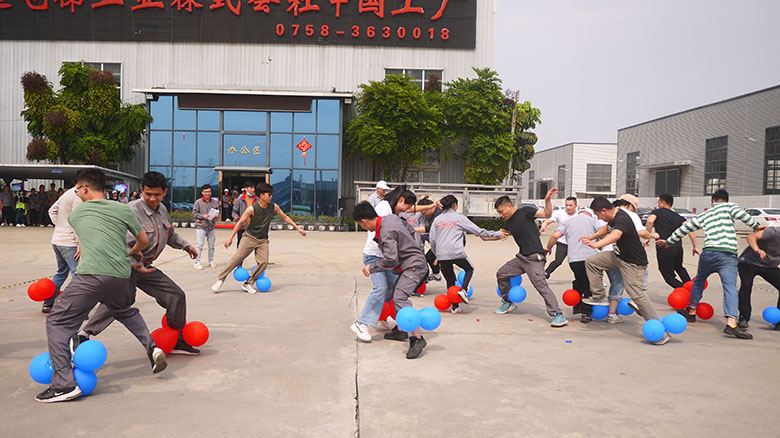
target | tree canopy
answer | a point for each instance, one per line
(84, 121)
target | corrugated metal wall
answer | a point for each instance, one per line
(683, 137)
(584, 154)
(575, 156)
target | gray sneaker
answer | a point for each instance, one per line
(614, 319)
(663, 340)
(593, 301)
(506, 307)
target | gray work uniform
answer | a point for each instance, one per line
(446, 235)
(159, 229)
(400, 250)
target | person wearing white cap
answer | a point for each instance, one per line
(379, 194)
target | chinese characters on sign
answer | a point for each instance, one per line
(409, 23)
(244, 150)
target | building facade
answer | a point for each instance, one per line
(235, 92)
(733, 144)
(583, 170)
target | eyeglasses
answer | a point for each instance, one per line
(77, 188)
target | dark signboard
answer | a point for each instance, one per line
(394, 23)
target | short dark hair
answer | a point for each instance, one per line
(601, 203)
(501, 200)
(667, 199)
(92, 178)
(206, 187)
(448, 201)
(363, 210)
(720, 195)
(248, 184)
(154, 180)
(264, 187)
(620, 203)
(425, 201)
(572, 198)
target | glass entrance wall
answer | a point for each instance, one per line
(186, 145)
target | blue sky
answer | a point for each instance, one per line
(594, 66)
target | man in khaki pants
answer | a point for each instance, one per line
(255, 237)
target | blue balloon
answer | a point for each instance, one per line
(408, 319)
(87, 380)
(241, 274)
(653, 330)
(517, 294)
(263, 284)
(90, 355)
(623, 307)
(461, 276)
(516, 281)
(262, 274)
(771, 315)
(470, 292)
(459, 284)
(430, 318)
(599, 312)
(41, 369)
(675, 323)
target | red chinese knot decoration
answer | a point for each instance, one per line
(304, 146)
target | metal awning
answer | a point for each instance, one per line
(10, 172)
(308, 93)
(669, 164)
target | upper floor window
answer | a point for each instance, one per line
(715, 153)
(114, 67)
(424, 78)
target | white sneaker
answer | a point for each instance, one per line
(614, 319)
(18, 225)
(455, 310)
(249, 288)
(361, 330)
(212, 265)
(215, 287)
(387, 324)
(198, 265)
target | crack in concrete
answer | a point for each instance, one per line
(357, 366)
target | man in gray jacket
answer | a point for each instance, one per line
(400, 252)
(205, 212)
(158, 227)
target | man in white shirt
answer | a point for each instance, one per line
(561, 247)
(64, 242)
(377, 197)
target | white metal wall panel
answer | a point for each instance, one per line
(584, 154)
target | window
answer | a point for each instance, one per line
(667, 181)
(114, 67)
(531, 184)
(632, 173)
(715, 164)
(561, 182)
(772, 161)
(424, 78)
(599, 178)
(429, 173)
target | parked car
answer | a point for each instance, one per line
(643, 213)
(764, 216)
(685, 213)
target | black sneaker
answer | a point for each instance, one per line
(45, 309)
(75, 341)
(396, 335)
(585, 318)
(185, 349)
(743, 323)
(690, 317)
(416, 294)
(157, 358)
(52, 395)
(737, 332)
(416, 346)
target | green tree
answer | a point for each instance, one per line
(83, 122)
(396, 124)
(479, 116)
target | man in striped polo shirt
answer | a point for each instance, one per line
(719, 255)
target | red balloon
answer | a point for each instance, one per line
(388, 310)
(452, 294)
(421, 289)
(165, 339)
(704, 311)
(442, 302)
(46, 288)
(164, 322)
(195, 333)
(679, 298)
(688, 285)
(34, 293)
(571, 297)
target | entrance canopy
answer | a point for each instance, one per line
(67, 172)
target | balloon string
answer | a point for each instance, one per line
(66, 367)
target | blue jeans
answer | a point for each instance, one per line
(725, 264)
(66, 263)
(615, 284)
(383, 291)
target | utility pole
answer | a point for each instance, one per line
(511, 179)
